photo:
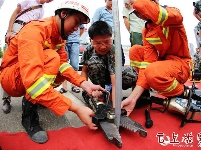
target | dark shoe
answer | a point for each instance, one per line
(30, 121)
(62, 90)
(75, 89)
(6, 105)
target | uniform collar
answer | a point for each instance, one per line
(55, 31)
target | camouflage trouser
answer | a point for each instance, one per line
(99, 74)
(129, 77)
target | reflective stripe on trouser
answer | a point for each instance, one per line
(168, 76)
(137, 57)
(11, 79)
(40, 85)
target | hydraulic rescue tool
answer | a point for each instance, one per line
(190, 108)
(105, 115)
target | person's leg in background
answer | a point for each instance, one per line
(73, 50)
(135, 38)
(64, 84)
(6, 102)
(74, 62)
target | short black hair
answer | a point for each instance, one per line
(99, 28)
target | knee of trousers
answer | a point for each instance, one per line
(11, 81)
(136, 52)
(51, 62)
(151, 74)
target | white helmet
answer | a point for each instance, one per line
(76, 5)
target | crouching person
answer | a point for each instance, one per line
(35, 63)
(99, 60)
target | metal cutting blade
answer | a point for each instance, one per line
(132, 125)
(112, 133)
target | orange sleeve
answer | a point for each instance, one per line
(73, 76)
(158, 14)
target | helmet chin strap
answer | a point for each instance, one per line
(63, 35)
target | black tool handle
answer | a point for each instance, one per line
(149, 122)
(157, 100)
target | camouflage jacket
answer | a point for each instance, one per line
(99, 67)
(108, 59)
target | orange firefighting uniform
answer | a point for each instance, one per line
(34, 62)
(163, 61)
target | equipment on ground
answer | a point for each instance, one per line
(148, 122)
(190, 108)
(105, 115)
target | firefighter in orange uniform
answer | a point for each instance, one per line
(35, 63)
(163, 61)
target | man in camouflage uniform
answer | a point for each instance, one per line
(99, 60)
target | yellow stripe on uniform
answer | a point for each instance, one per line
(172, 87)
(166, 32)
(38, 87)
(138, 64)
(58, 46)
(154, 41)
(163, 16)
(47, 45)
(64, 66)
(50, 78)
